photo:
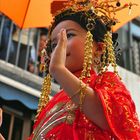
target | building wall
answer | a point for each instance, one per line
(132, 82)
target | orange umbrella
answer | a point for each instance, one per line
(125, 15)
(37, 13)
(27, 13)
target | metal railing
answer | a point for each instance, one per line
(130, 58)
(20, 47)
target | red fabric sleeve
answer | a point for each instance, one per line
(118, 106)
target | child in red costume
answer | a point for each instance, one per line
(94, 104)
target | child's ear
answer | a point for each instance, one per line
(99, 48)
(94, 45)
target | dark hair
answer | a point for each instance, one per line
(43, 31)
(81, 18)
(98, 32)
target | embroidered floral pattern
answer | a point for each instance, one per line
(64, 121)
(118, 106)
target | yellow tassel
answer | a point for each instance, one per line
(87, 56)
(108, 58)
(45, 91)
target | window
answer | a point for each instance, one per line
(12, 124)
(136, 55)
(135, 27)
(130, 47)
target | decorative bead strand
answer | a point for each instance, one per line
(45, 91)
(87, 56)
(110, 50)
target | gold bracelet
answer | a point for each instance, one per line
(82, 94)
(76, 93)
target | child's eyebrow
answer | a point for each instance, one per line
(67, 30)
(71, 29)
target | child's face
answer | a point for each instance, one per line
(76, 36)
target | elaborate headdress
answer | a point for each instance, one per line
(97, 17)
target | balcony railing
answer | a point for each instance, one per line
(21, 48)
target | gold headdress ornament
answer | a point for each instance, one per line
(105, 11)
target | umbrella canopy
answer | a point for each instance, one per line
(125, 15)
(37, 13)
(27, 13)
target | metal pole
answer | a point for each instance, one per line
(130, 46)
(11, 127)
(28, 49)
(9, 41)
(1, 27)
(37, 47)
(18, 48)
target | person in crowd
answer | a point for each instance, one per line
(93, 104)
(40, 47)
(23, 43)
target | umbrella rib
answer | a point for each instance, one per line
(25, 13)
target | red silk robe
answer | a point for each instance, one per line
(61, 119)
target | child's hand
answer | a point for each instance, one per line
(0, 117)
(58, 57)
(1, 137)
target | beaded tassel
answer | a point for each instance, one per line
(42, 67)
(87, 57)
(110, 59)
(46, 90)
(103, 63)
